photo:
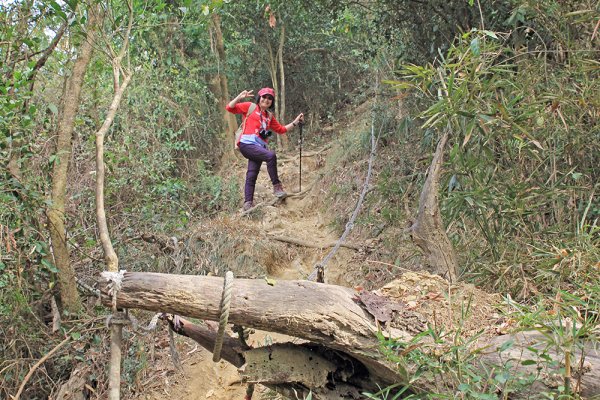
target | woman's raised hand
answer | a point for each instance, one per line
(245, 93)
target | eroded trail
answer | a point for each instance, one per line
(297, 219)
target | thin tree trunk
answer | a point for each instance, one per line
(284, 138)
(428, 231)
(56, 211)
(110, 256)
(273, 68)
(229, 122)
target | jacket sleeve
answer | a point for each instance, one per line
(275, 126)
(239, 108)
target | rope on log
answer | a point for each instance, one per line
(120, 318)
(115, 280)
(224, 310)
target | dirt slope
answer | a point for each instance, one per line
(297, 217)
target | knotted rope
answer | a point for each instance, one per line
(224, 311)
(115, 280)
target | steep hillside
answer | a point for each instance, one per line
(282, 240)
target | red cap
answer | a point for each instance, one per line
(265, 91)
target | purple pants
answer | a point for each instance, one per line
(256, 154)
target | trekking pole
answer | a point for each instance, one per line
(301, 139)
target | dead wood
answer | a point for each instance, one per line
(289, 369)
(206, 335)
(325, 314)
(428, 231)
(527, 352)
(314, 245)
(75, 387)
(340, 331)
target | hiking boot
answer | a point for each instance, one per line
(247, 205)
(278, 191)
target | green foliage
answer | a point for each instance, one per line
(566, 323)
(446, 365)
(320, 54)
(519, 133)
(521, 177)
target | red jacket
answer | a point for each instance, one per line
(254, 120)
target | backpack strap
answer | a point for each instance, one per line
(240, 130)
(250, 111)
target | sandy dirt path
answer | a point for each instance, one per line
(299, 218)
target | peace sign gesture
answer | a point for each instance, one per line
(245, 93)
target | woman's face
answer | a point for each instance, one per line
(266, 101)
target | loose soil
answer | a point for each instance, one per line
(296, 217)
(302, 218)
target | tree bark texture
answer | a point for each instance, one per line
(285, 142)
(64, 132)
(327, 316)
(320, 313)
(229, 122)
(428, 231)
(110, 256)
(293, 370)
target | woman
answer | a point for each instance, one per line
(258, 126)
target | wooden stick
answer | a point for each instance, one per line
(40, 362)
(303, 243)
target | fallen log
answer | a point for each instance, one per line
(339, 328)
(530, 352)
(320, 313)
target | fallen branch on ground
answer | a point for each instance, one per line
(314, 245)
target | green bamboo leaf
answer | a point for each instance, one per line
(432, 120)
(528, 362)
(475, 47)
(490, 34)
(469, 132)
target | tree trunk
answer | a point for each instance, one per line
(285, 143)
(229, 122)
(56, 211)
(343, 334)
(273, 68)
(320, 313)
(428, 231)
(110, 257)
(291, 370)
